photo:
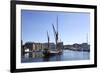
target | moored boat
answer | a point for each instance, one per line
(58, 45)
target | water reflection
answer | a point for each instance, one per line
(65, 56)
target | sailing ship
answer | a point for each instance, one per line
(58, 44)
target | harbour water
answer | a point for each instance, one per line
(67, 55)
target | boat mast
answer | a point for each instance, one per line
(57, 35)
(54, 34)
(48, 40)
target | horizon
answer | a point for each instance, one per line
(50, 42)
(54, 43)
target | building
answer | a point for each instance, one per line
(38, 46)
(76, 45)
(68, 46)
(30, 46)
(85, 47)
(33, 46)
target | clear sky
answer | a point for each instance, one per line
(73, 27)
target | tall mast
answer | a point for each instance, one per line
(48, 39)
(54, 31)
(57, 35)
(57, 24)
(57, 30)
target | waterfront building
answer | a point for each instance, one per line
(38, 46)
(85, 46)
(68, 46)
(76, 45)
(30, 46)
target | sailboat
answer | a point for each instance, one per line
(58, 45)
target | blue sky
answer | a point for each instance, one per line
(73, 26)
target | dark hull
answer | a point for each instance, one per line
(48, 54)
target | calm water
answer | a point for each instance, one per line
(65, 56)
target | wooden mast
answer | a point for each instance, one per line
(48, 41)
(56, 34)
